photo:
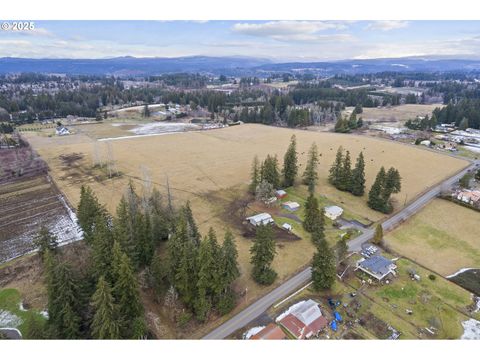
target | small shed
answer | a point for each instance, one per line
(333, 212)
(287, 226)
(280, 194)
(291, 205)
(260, 219)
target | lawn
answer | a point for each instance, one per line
(445, 229)
(435, 303)
(11, 313)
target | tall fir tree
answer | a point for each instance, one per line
(44, 241)
(127, 296)
(263, 252)
(344, 182)
(63, 296)
(336, 169)
(323, 267)
(310, 175)
(229, 272)
(88, 211)
(105, 323)
(313, 216)
(102, 244)
(378, 235)
(269, 171)
(255, 175)
(192, 228)
(290, 167)
(375, 198)
(358, 177)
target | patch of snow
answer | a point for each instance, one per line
(471, 329)
(162, 127)
(253, 331)
(9, 320)
(289, 310)
(473, 148)
(44, 313)
(459, 272)
(13, 329)
(20, 306)
(136, 136)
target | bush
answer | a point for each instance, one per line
(432, 277)
(226, 303)
(265, 277)
(184, 318)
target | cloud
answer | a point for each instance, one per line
(307, 31)
(35, 32)
(387, 25)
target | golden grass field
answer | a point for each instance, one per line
(443, 237)
(395, 114)
(218, 162)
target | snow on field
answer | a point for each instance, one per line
(459, 272)
(162, 127)
(9, 320)
(289, 310)
(253, 331)
(473, 148)
(471, 329)
(64, 225)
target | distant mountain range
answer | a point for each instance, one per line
(233, 66)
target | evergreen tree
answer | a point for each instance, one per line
(358, 177)
(63, 299)
(255, 176)
(182, 262)
(463, 124)
(290, 167)
(44, 241)
(378, 236)
(318, 229)
(228, 272)
(336, 170)
(342, 248)
(208, 279)
(192, 228)
(263, 252)
(105, 324)
(313, 216)
(269, 171)
(146, 111)
(126, 295)
(310, 175)
(102, 244)
(375, 199)
(323, 267)
(344, 182)
(88, 210)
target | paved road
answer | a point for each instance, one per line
(259, 307)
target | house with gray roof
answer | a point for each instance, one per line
(377, 266)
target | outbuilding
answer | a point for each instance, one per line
(280, 194)
(260, 219)
(291, 205)
(333, 212)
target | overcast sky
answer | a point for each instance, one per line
(275, 40)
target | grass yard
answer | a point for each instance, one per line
(395, 114)
(12, 315)
(445, 229)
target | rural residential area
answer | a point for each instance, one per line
(148, 192)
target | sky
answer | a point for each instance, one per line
(278, 41)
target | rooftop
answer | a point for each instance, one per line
(377, 265)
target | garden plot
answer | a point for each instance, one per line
(26, 206)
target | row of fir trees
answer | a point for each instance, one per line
(102, 300)
(343, 177)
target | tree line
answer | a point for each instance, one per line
(102, 300)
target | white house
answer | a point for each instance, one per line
(62, 130)
(260, 219)
(291, 205)
(333, 212)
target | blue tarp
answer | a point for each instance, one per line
(338, 317)
(333, 325)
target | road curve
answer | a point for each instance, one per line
(260, 306)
